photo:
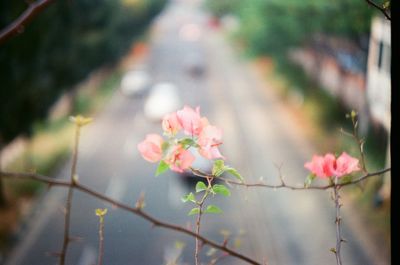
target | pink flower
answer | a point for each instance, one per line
(191, 121)
(171, 124)
(150, 148)
(179, 159)
(346, 164)
(209, 140)
(329, 166)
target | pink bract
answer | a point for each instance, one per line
(179, 159)
(150, 148)
(171, 124)
(346, 164)
(209, 140)
(190, 120)
(329, 166)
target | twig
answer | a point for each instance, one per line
(198, 173)
(68, 203)
(18, 25)
(338, 222)
(101, 213)
(380, 8)
(200, 207)
(134, 210)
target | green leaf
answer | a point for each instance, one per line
(234, 172)
(189, 197)
(221, 189)
(212, 209)
(200, 186)
(194, 211)
(218, 167)
(162, 167)
(386, 5)
(309, 179)
(165, 146)
(346, 179)
(187, 142)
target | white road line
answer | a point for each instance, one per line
(88, 256)
(116, 188)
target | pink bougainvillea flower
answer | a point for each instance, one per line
(316, 166)
(346, 164)
(171, 124)
(208, 141)
(179, 159)
(329, 166)
(150, 148)
(191, 121)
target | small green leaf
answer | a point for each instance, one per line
(234, 172)
(221, 189)
(189, 197)
(212, 209)
(309, 179)
(187, 142)
(200, 186)
(346, 179)
(164, 147)
(194, 211)
(218, 167)
(386, 5)
(162, 167)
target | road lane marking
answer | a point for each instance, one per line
(88, 256)
(116, 188)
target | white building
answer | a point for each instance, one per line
(379, 83)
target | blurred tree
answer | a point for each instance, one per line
(60, 47)
(273, 26)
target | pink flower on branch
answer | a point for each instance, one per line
(329, 166)
(150, 148)
(191, 121)
(208, 141)
(179, 159)
(171, 124)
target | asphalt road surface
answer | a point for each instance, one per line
(277, 226)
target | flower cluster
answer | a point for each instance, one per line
(199, 134)
(330, 166)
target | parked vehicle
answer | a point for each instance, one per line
(135, 83)
(163, 99)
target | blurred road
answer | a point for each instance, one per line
(280, 227)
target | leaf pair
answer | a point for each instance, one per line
(219, 168)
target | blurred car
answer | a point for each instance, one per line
(163, 99)
(135, 82)
(195, 65)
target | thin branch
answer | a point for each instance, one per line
(380, 8)
(198, 221)
(338, 222)
(198, 173)
(18, 25)
(137, 211)
(68, 203)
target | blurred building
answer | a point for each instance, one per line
(339, 66)
(379, 84)
(378, 74)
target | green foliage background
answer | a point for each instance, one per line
(273, 26)
(60, 48)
